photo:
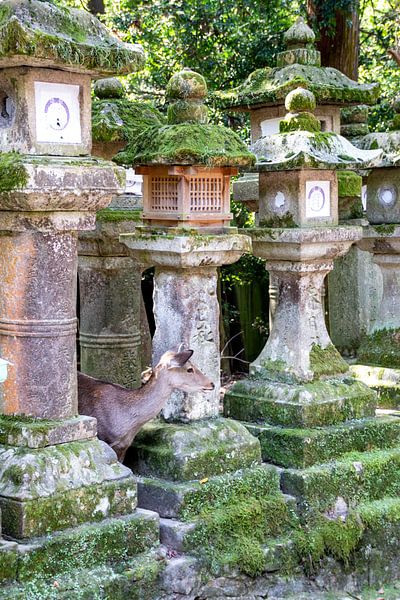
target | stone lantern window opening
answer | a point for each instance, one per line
(7, 109)
(195, 195)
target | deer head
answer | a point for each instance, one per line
(180, 373)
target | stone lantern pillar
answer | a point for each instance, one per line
(262, 95)
(378, 361)
(186, 165)
(55, 474)
(110, 335)
(300, 399)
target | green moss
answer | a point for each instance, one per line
(187, 143)
(299, 448)
(13, 174)
(69, 37)
(186, 84)
(187, 112)
(285, 221)
(299, 122)
(335, 538)
(381, 348)
(385, 228)
(8, 562)
(122, 120)
(113, 215)
(326, 361)
(349, 183)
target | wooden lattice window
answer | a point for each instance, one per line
(164, 194)
(206, 194)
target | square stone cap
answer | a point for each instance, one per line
(303, 244)
(186, 251)
(42, 34)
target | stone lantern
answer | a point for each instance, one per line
(114, 338)
(55, 474)
(178, 189)
(262, 95)
(194, 440)
(379, 352)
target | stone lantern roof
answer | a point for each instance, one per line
(187, 139)
(388, 141)
(42, 34)
(299, 64)
(301, 145)
(118, 120)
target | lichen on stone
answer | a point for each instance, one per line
(13, 174)
(187, 144)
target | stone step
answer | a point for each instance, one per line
(135, 578)
(384, 381)
(174, 500)
(357, 477)
(314, 404)
(184, 452)
(300, 448)
(278, 552)
(88, 545)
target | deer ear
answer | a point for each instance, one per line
(178, 359)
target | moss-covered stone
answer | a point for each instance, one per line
(113, 215)
(187, 144)
(20, 430)
(194, 451)
(13, 174)
(285, 221)
(381, 348)
(90, 545)
(110, 87)
(304, 121)
(299, 34)
(384, 381)
(187, 112)
(300, 100)
(8, 561)
(315, 404)
(122, 120)
(349, 183)
(33, 31)
(300, 448)
(186, 84)
(326, 361)
(356, 477)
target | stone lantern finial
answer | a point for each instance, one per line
(300, 104)
(299, 35)
(186, 91)
(110, 87)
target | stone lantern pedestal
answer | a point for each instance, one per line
(378, 362)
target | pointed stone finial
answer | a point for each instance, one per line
(186, 91)
(111, 87)
(300, 104)
(299, 35)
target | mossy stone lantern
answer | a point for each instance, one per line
(263, 93)
(188, 163)
(298, 180)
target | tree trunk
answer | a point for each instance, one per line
(96, 7)
(339, 46)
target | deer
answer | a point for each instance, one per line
(121, 412)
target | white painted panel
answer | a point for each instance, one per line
(270, 126)
(58, 115)
(318, 198)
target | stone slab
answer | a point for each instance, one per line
(357, 477)
(89, 545)
(385, 381)
(299, 448)
(185, 452)
(22, 520)
(176, 500)
(38, 433)
(315, 404)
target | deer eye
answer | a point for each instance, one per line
(190, 370)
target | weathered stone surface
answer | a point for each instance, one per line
(110, 342)
(385, 381)
(314, 404)
(185, 294)
(245, 189)
(188, 452)
(173, 533)
(383, 203)
(299, 448)
(181, 575)
(37, 433)
(89, 545)
(37, 33)
(354, 290)
(56, 487)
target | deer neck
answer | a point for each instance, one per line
(151, 397)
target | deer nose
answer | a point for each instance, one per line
(211, 387)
